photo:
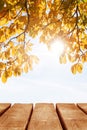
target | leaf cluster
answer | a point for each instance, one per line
(50, 18)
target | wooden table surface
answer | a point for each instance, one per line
(43, 116)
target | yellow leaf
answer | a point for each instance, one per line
(7, 53)
(4, 78)
(83, 58)
(2, 65)
(17, 71)
(26, 67)
(11, 44)
(20, 38)
(14, 51)
(73, 69)
(30, 66)
(15, 74)
(62, 59)
(12, 2)
(3, 21)
(9, 72)
(28, 47)
(22, 19)
(35, 58)
(79, 68)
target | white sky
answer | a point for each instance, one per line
(49, 81)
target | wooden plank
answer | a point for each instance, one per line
(72, 118)
(4, 107)
(16, 118)
(44, 117)
(83, 107)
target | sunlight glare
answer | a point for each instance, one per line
(57, 47)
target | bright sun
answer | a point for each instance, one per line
(57, 47)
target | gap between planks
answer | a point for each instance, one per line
(63, 123)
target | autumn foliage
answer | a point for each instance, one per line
(50, 18)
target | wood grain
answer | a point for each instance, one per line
(16, 118)
(72, 118)
(4, 107)
(67, 116)
(83, 107)
(44, 117)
